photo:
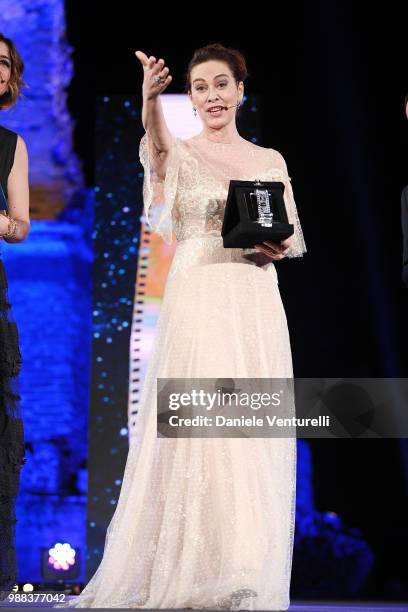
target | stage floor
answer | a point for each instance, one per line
(296, 606)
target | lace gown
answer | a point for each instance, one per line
(206, 522)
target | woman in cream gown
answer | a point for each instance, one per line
(206, 522)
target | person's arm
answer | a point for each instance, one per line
(159, 136)
(18, 197)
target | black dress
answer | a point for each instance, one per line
(12, 451)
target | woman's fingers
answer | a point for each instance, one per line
(142, 57)
(270, 247)
(147, 62)
(159, 64)
(277, 250)
(285, 243)
(277, 246)
(157, 68)
(163, 73)
(156, 75)
(270, 252)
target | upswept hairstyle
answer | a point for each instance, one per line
(216, 51)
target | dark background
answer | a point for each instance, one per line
(331, 80)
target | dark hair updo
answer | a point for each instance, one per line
(216, 51)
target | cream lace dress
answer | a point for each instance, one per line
(206, 522)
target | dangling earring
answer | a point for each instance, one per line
(195, 111)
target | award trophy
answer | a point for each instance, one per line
(255, 211)
(260, 211)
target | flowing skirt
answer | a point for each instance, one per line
(205, 522)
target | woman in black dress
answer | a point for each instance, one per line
(14, 227)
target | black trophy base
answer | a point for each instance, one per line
(246, 235)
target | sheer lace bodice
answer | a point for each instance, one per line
(190, 201)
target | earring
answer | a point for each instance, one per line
(195, 111)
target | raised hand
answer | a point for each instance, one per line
(156, 75)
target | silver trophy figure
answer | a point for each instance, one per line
(260, 198)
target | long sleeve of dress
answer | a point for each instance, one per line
(159, 195)
(297, 243)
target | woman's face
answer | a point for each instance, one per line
(213, 85)
(5, 67)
